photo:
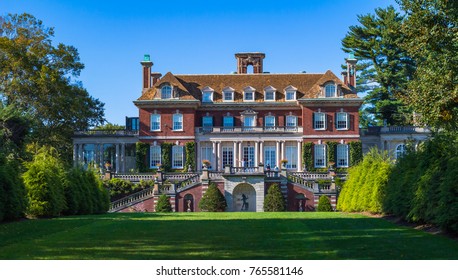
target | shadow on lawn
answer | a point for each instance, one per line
(152, 236)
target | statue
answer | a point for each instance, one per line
(244, 203)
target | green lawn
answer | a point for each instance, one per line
(219, 236)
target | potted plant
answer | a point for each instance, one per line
(283, 162)
(206, 163)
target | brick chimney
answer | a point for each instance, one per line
(351, 71)
(254, 59)
(147, 64)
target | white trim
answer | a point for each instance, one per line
(272, 90)
(165, 137)
(330, 136)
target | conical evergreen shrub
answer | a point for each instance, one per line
(274, 201)
(213, 200)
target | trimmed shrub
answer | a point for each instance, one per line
(141, 156)
(166, 153)
(163, 204)
(324, 204)
(274, 201)
(119, 188)
(213, 200)
(12, 192)
(190, 157)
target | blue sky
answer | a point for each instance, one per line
(192, 37)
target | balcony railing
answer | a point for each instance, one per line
(106, 132)
(377, 130)
(249, 129)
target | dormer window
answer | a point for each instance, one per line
(207, 94)
(228, 94)
(330, 90)
(248, 94)
(290, 93)
(269, 93)
(166, 92)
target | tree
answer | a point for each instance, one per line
(213, 200)
(431, 36)
(324, 204)
(274, 201)
(384, 67)
(163, 204)
(39, 80)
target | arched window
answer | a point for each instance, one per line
(342, 155)
(155, 156)
(400, 150)
(330, 90)
(166, 92)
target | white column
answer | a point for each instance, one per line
(75, 154)
(80, 154)
(240, 154)
(299, 155)
(102, 164)
(214, 158)
(220, 166)
(256, 154)
(277, 154)
(282, 148)
(117, 159)
(123, 157)
(234, 154)
(261, 151)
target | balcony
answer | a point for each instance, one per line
(106, 132)
(377, 130)
(249, 129)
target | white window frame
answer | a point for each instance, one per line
(225, 122)
(206, 152)
(319, 117)
(328, 92)
(269, 122)
(164, 95)
(289, 123)
(291, 155)
(177, 157)
(155, 157)
(208, 94)
(270, 152)
(293, 92)
(224, 96)
(342, 156)
(319, 156)
(227, 155)
(158, 127)
(342, 118)
(176, 121)
(249, 90)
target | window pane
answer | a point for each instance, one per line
(177, 157)
(270, 156)
(155, 122)
(320, 156)
(330, 90)
(270, 95)
(342, 155)
(206, 152)
(228, 157)
(228, 96)
(291, 121)
(290, 95)
(400, 151)
(155, 156)
(319, 122)
(248, 156)
(248, 96)
(269, 121)
(342, 121)
(166, 92)
(228, 121)
(207, 96)
(177, 122)
(291, 156)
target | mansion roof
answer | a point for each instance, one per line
(189, 87)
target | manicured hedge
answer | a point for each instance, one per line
(274, 201)
(324, 204)
(12, 191)
(163, 204)
(213, 200)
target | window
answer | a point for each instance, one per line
(177, 157)
(166, 92)
(320, 156)
(228, 96)
(228, 156)
(342, 155)
(155, 122)
(342, 121)
(290, 95)
(207, 96)
(155, 156)
(330, 90)
(228, 121)
(269, 122)
(270, 96)
(248, 156)
(206, 152)
(248, 123)
(291, 121)
(291, 156)
(177, 122)
(248, 96)
(207, 121)
(319, 121)
(270, 156)
(400, 151)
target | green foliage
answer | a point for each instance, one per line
(110, 126)
(324, 204)
(163, 204)
(332, 151)
(430, 34)
(274, 201)
(366, 184)
(384, 67)
(39, 79)
(44, 182)
(213, 200)
(166, 150)
(190, 150)
(12, 192)
(356, 152)
(119, 188)
(141, 156)
(307, 156)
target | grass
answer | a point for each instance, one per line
(220, 236)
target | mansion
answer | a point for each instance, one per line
(243, 131)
